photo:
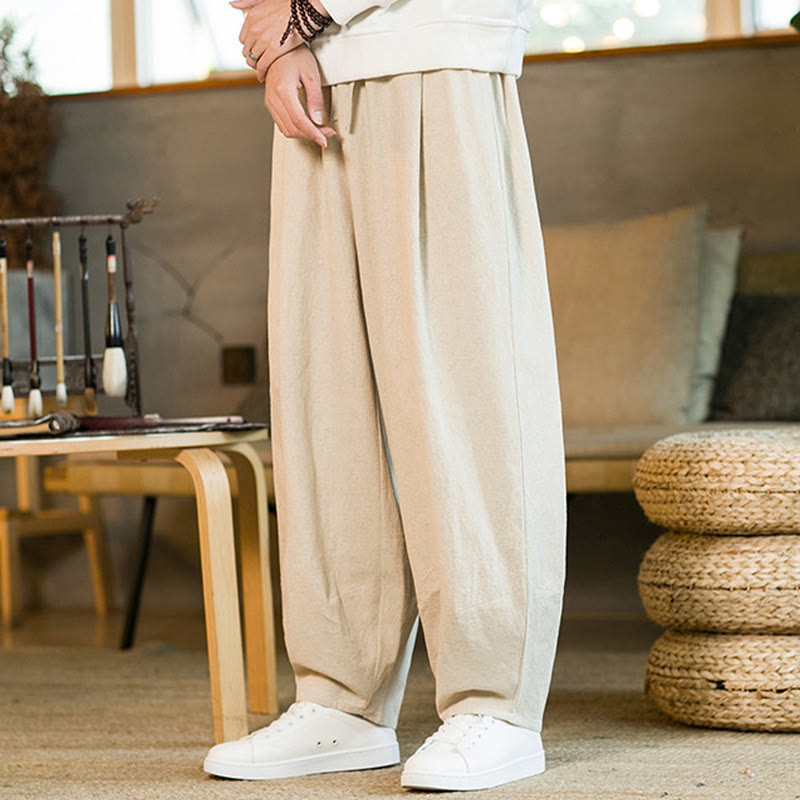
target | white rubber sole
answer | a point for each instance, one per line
(516, 771)
(343, 761)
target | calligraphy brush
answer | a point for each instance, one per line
(115, 370)
(8, 376)
(35, 392)
(89, 383)
(61, 385)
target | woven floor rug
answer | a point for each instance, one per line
(83, 724)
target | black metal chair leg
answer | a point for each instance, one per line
(135, 592)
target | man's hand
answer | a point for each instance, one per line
(264, 25)
(262, 30)
(288, 74)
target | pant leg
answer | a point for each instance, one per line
(458, 319)
(348, 603)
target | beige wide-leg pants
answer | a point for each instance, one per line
(410, 326)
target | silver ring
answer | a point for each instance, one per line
(252, 56)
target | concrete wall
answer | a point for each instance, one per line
(610, 138)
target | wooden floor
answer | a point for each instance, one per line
(84, 628)
(186, 630)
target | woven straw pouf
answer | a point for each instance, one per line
(723, 482)
(745, 682)
(723, 584)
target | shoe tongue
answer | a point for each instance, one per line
(457, 727)
(287, 718)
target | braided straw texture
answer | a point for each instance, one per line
(724, 482)
(719, 680)
(723, 584)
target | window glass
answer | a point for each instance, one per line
(182, 40)
(576, 25)
(771, 14)
(70, 41)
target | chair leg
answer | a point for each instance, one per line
(259, 620)
(220, 591)
(99, 566)
(135, 592)
(10, 566)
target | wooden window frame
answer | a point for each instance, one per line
(724, 18)
(123, 43)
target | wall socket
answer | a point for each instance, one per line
(239, 364)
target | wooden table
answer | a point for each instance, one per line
(198, 453)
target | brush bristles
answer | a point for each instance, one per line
(89, 401)
(8, 399)
(115, 372)
(35, 403)
(61, 394)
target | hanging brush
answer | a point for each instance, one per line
(115, 370)
(8, 376)
(35, 392)
(61, 385)
(89, 382)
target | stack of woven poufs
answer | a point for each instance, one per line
(725, 578)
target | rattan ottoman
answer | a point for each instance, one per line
(723, 584)
(744, 682)
(725, 482)
(725, 577)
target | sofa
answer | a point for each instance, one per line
(665, 325)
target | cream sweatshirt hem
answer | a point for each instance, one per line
(420, 36)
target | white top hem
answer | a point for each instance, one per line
(432, 46)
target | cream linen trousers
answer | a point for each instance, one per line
(417, 437)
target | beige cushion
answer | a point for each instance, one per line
(630, 441)
(625, 308)
(717, 285)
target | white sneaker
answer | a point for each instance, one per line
(471, 751)
(306, 739)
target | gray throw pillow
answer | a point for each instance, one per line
(759, 374)
(717, 285)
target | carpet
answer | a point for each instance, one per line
(83, 724)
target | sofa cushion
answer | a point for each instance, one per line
(717, 285)
(759, 375)
(630, 441)
(625, 309)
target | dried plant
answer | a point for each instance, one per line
(28, 125)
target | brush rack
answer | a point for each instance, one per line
(74, 365)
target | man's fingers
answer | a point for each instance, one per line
(281, 120)
(244, 30)
(277, 109)
(276, 103)
(290, 73)
(251, 62)
(313, 87)
(303, 126)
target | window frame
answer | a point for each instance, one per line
(123, 44)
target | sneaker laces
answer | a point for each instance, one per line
(461, 730)
(295, 712)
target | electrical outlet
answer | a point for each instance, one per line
(239, 365)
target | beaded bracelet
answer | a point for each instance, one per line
(306, 20)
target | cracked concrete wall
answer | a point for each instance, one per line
(610, 138)
(200, 261)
